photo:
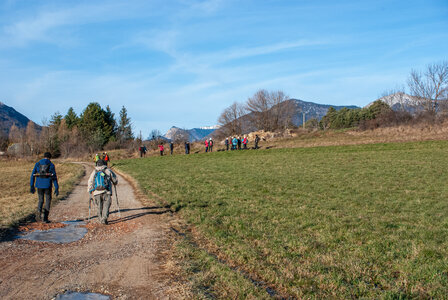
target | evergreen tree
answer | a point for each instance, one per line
(124, 131)
(71, 119)
(97, 125)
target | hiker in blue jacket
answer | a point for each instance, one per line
(43, 177)
(234, 143)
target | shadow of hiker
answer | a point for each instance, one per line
(150, 210)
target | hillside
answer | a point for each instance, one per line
(294, 108)
(8, 117)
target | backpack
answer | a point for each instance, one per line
(102, 182)
(44, 170)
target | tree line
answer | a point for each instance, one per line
(93, 130)
(428, 102)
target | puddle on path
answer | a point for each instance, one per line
(81, 296)
(70, 233)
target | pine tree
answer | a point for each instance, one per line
(71, 119)
(124, 132)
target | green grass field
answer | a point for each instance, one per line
(340, 222)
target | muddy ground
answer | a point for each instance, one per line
(127, 259)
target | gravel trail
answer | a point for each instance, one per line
(125, 259)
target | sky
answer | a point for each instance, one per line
(181, 63)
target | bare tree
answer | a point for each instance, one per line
(429, 86)
(281, 110)
(230, 119)
(258, 105)
(32, 137)
(269, 110)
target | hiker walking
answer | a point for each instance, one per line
(234, 143)
(210, 145)
(142, 150)
(97, 157)
(244, 143)
(187, 148)
(226, 142)
(257, 139)
(106, 158)
(206, 145)
(161, 148)
(100, 185)
(239, 143)
(171, 148)
(43, 177)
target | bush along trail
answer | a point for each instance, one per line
(126, 259)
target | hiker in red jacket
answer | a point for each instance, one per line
(206, 146)
(161, 149)
(245, 143)
(106, 158)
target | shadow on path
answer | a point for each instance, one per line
(148, 210)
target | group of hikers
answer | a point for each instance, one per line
(239, 143)
(232, 143)
(104, 157)
(101, 180)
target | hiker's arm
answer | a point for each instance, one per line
(90, 182)
(32, 178)
(54, 178)
(113, 178)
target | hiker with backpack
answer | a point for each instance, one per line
(210, 145)
(100, 187)
(43, 177)
(226, 142)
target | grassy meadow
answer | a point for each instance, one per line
(341, 222)
(16, 201)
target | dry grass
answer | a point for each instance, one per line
(16, 202)
(305, 138)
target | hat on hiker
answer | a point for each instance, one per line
(47, 155)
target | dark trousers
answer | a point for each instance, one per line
(103, 202)
(44, 194)
(227, 147)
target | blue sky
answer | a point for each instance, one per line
(182, 62)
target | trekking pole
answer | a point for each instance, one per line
(90, 202)
(116, 199)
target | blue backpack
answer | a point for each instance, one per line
(102, 182)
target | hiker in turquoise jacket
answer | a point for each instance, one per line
(43, 177)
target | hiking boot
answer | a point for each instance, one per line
(46, 221)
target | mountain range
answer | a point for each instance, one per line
(195, 134)
(298, 109)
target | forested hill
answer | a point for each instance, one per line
(311, 110)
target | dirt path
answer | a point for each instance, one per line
(125, 259)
